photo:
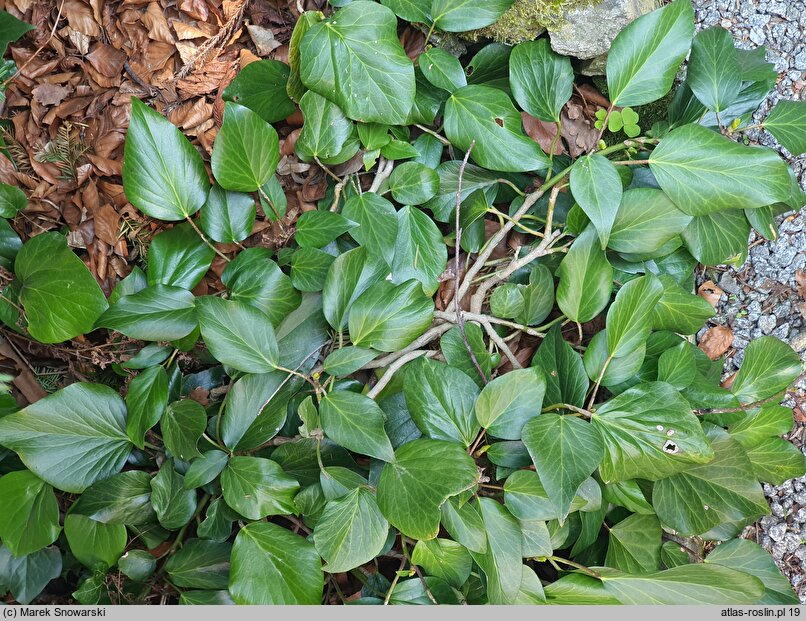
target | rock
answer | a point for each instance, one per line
(798, 342)
(767, 323)
(594, 66)
(777, 532)
(588, 32)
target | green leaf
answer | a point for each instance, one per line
(463, 522)
(72, 438)
(173, 503)
(718, 238)
(388, 317)
(377, 223)
(326, 129)
(295, 88)
(27, 576)
(444, 559)
(237, 334)
(646, 220)
(775, 460)
(271, 565)
(31, 519)
(486, 115)
(60, 297)
(256, 409)
(649, 432)
(713, 74)
(227, 216)
(349, 276)
(634, 545)
(768, 420)
(205, 598)
(257, 487)
(531, 589)
(138, 565)
(411, 491)
(157, 313)
(541, 80)
(617, 370)
(536, 539)
(273, 199)
(123, 498)
(787, 122)
(166, 189)
(566, 380)
(565, 451)
(538, 296)
(502, 563)
(351, 531)
(769, 366)
(444, 204)
(11, 29)
(750, 558)
(578, 589)
(94, 544)
(453, 347)
(178, 258)
(586, 278)
(347, 360)
(309, 268)
(205, 469)
(337, 482)
(677, 366)
(629, 318)
(316, 229)
(644, 57)
(261, 87)
(440, 399)
(356, 423)
(420, 252)
(246, 150)
(182, 425)
(678, 310)
(253, 278)
(721, 493)
(200, 564)
(412, 183)
(511, 400)
(687, 584)
(12, 200)
(704, 172)
(442, 69)
(462, 15)
(410, 10)
(357, 51)
(596, 186)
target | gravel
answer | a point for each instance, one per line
(761, 296)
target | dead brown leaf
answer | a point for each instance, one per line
(716, 341)
(800, 282)
(710, 292)
(543, 133)
(50, 94)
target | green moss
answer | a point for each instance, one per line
(526, 19)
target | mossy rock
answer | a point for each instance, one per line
(527, 19)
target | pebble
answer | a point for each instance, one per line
(763, 296)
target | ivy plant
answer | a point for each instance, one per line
(469, 375)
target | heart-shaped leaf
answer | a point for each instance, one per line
(60, 297)
(32, 519)
(411, 491)
(541, 79)
(257, 487)
(72, 438)
(356, 423)
(157, 313)
(271, 565)
(166, 189)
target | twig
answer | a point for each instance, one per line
(394, 582)
(567, 406)
(417, 571)
(598, 381)
(540, 250)
(384, 170)
(501, 344)
(439, 137)
(327, 171)
(205, 240)
(496, 320)
(428, 336)
(630, 162)
(684, 544)
(39, 49)
(575, 565)
(205, 49)
(456, 249)
(395, 366)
